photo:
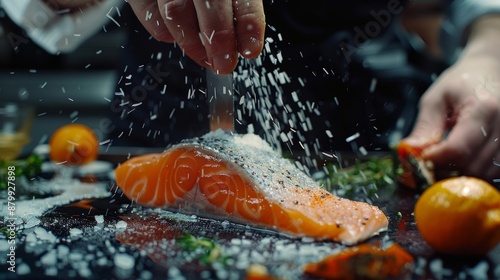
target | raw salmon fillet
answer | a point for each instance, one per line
(241, 178)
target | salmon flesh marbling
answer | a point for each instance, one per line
(240, 178)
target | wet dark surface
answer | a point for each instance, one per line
(70, 242)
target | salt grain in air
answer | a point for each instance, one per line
(352, 137)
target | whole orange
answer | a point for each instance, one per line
(73, 144)
(460, 216)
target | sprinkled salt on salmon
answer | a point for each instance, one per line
(240, 178)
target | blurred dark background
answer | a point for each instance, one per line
(78, 87)
(64, 88)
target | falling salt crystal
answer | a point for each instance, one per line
(373, 85)
(149, 15)
(352, 137)
(108, 15)
(363, 151)
(99, 219)
(121, 224)
(225, 224)
(75, 232)
(329, 133)
(483, 131)
(283, 137)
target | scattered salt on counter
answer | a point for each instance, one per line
(75, 232)
(51, 271)
(225, 224)
(23, 269)
(99, 219)
(43, 234)
(124, 261)
(436, 266)
(49, 259)
(236, 241)
(4, 245)
(102, 261)
(480, 271)
(85, 272)
(146, 275)
(30, 221)
(30, 210)
(174, 273)
(121, 225)
(30, 238)
(62, 251)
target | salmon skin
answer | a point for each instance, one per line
(240, 178)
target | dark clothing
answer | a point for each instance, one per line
(308, 88)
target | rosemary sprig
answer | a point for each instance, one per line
(4, 231)
(28, 168)
(371, 174)
(207, 250)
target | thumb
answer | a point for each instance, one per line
(431, 122)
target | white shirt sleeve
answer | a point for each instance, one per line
(460, 14)
(55, 31)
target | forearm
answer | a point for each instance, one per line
(462, 21)
(484, 36)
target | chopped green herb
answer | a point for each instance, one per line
(6, 232)
(208, 250)
(27, 168)
(368, 176)
(399, 215)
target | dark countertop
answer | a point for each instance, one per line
(69, 242)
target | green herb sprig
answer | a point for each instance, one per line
(28, 168)
(208, 250)
(372, 173)
(4, 231)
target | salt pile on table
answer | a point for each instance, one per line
(99, 219)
